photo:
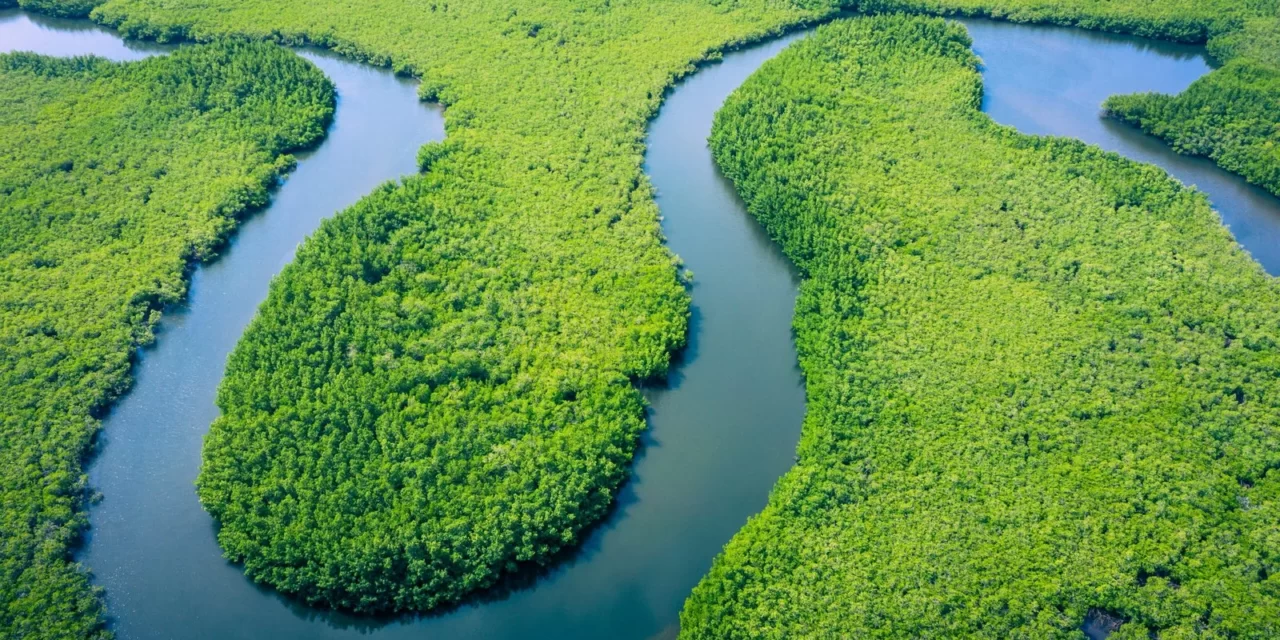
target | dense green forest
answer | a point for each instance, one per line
(1042, 380)
(441, 386)
(1180, 20)
(64, 8)
(113, 179)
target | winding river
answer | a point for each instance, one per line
(723, 428)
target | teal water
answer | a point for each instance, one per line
(1052, 81)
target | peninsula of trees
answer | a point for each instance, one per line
(1232, 115)
(1043, 380)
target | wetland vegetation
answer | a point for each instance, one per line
(442, 387)
(1042, 379)
(1232, 115)
(114, 178)
(1229, 115)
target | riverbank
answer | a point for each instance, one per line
(719, 435)
(1040, 376)
(120, 178)
(722, 428)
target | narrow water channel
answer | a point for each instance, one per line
(721, 431)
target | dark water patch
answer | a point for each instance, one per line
(1100, 624)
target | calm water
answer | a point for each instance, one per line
(722, 430)
(1048, 80)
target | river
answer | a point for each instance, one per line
(722, 429)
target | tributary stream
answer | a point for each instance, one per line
(722, 430)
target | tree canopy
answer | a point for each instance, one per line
(114, 178)
(1232, 115)
(1042, 379)
(441, 386)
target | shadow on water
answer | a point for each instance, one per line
(64, 37)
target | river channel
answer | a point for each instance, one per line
(722, 429)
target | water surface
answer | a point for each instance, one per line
(22, 31)
(1053, 80)
(150, 544)
(722, 429)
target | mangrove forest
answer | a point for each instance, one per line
(1042, 380)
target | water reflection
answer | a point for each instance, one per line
(24, 31)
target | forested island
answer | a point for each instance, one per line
(1039, 375)
(114, 179)
(1042, 379)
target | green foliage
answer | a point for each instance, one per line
(61, 8)
(441, 386)
(1258, 40)
(1043, 380)
(1180, 20)
(113, 178)
(1231, 115)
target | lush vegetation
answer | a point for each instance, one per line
(65, 8)
(1258, 39)
(113, 178)
(1180, 20)
(441, 386)
(1231, 115)
(1043, 380)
